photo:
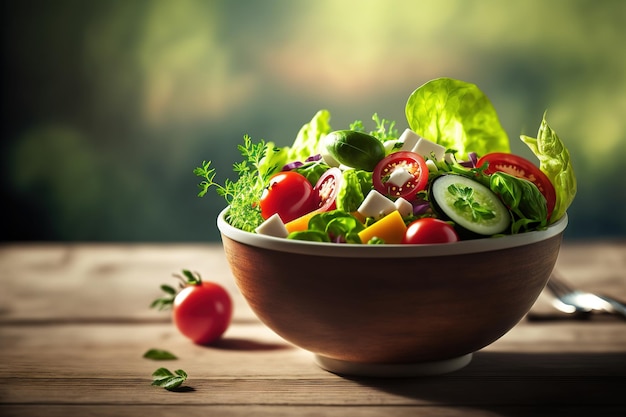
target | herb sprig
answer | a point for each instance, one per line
(465, 201)
(243, 194)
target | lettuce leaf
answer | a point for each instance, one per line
(456, 115)
(555, 162)
(305, 144)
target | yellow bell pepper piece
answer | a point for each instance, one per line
(390, 228)
(301, 223)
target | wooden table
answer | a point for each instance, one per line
(75, 322)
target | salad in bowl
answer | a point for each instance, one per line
(449, 176)
(388, 253)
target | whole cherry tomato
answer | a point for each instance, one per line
(289, 194)
(201, 310)
(430, 230)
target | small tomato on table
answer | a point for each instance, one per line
(201, 310)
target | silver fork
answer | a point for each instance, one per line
(571, 300)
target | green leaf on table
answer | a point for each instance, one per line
(159, 355)
(167, 379)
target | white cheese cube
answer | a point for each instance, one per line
(429, 149)
(376, 205)
(449, 158)
(432, 167)
(409, 139)
(404, 207)
(390, 146)
(272, 226)
(399, 176)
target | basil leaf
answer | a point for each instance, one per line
(163, 377)
(159, 354)
(456, 115)
(523, 199)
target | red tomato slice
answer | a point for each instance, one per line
(289, 194)
(412, 163)
(521, 168)
(326, 190)
(430, 230)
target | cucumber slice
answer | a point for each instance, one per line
(469, 204)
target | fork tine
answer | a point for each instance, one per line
(557, 285)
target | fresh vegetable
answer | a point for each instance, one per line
(201, 310)
(471, 205)
(456, 115)
(353, 149)
(555, 162)
(301, 223)
(356, 184)
(523, 199)
(331, 226)
(242, 195)
(390, 229)
(401, 174)
(428, 230)
(167, 379)
(326, 190)
(289, 194)
(521, 168)
(453, 166)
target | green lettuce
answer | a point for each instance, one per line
(456, 115)
(306, 144)
(555, 162)
(355, 185)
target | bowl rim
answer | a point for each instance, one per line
(343, 250)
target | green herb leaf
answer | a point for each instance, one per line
(186, 278)
(163, 377)
(159, 355)
(242, 195)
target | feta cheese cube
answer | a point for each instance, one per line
(404, 207)
(273, 226)
(409, 139)
(399, 176)
(429, 149)
(376, 205)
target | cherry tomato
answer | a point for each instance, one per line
(289, 194)
(412, 163)
(326, 189)
(202, 312)
(521, 168)
(430, 230)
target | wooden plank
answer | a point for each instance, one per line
(102, 281)
(235, 410)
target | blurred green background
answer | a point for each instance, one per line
(108, 106)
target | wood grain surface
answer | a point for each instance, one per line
(75, 322)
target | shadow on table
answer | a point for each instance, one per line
(523, 384)
(233, 343)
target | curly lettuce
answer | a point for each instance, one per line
(555, 162)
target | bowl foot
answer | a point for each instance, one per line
(400, 370)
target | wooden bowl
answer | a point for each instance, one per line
(391, 310)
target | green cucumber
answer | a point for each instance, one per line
(354, 149)
(470, 205)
